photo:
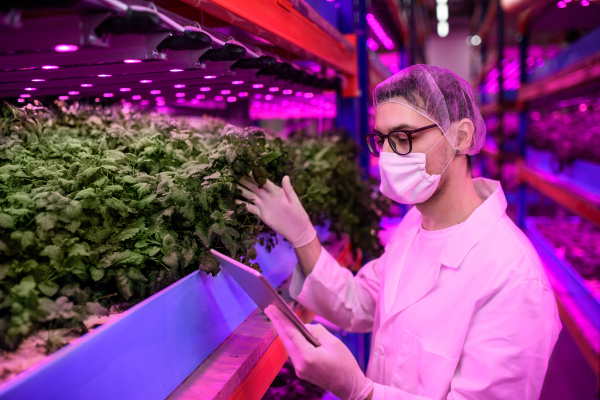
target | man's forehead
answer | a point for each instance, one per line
(390, 116)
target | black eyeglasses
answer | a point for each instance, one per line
(400, 140)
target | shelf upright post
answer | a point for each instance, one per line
(522, 191)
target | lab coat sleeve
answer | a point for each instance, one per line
(506, 349)
(333, 292)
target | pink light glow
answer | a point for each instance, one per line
(258, 96)
(175, 70)
(561, 4)
(210, 77)
(30, 88)
(237, 82)
(104, 76)
(50, 67)
(73, 92)
(231, 99)
(308, 95)
(144, 102)
(195, 101)
(200, 96)
(585, 3)
(155, 92)
(63, 97)
(243, 94)
(379, 32)
(225, 91)
(299, 94)
(181, 100)
(38, 80)
(136, 97)
(159, 99)
(258, 85)
(146, 81)
(218, 98)
(21, 100)
(583, 107)
(274, 89)
(179, 86)
(25, 95)
(132, 61)
(125, 89)
(205, 89)
(108, 95)
(65, 48)
(371, 44)
(269, 97)
(287, 91)
(180, 94)
(86, 85)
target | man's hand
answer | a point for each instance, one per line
(280, 209)
(330, 366)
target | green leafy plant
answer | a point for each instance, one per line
(99, 207)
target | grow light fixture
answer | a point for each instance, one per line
(561, 4)
(21, 100)
(73, 92)
(144, 102)
(274, 89)
(442, 13)
(175, 70)
(159, 99)
(108, 95)
(63, 97)
(38, 80)
(371, 44)
(65, 48)
(205, 89)
(237, 82)
(181, 100)
(25, 95)
(210, 77)
(132, 61)
(146, 81)
(136, 97)
(86, 85)
(379, 32)
(200, 96)
(49, 66)
(231, 99)
(225, 91)
(585, 3)
(258, 96)
(125, 89)
(243, 94)
(269, 97)
(299, 94)
(194, 101)
(155, 92)
(218, 98)
(30, 89)
(104, 76)
(443, 29)
(287, 91)
(181, 94)
(179, 86)
(258, 85)
(308, 95)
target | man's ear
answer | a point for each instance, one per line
(466, 129)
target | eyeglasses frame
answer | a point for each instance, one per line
(408, 133)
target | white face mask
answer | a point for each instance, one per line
(404, 178)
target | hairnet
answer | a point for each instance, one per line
(437, 94)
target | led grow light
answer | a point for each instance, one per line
(371, 44)
(179, 86)
(237, 82)
(274, 89)
(287, 91)
(25, 95)
(104, 76)
(30, 89)
(225, 91)
(200, 96)
(38, 80)
(21, 100)
(63, 97)
(132, 61)
(379, 32)
(144, 102)
(136, 97)
(125, 89)
(155, 92)
(50, 67)
(108, 95)
(269, 97)
(218, 98)
(231, 99)
(181, 100)
(205, 89)
(146, 81)
(308, 95)
(210, 77)
(181, 94)
(258, 85)
(299, 94)
(73, 92)
(243, 94)
(176, 70)
(65, 48)
(86, 85)
(258, 96)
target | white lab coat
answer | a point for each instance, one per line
(479, 324)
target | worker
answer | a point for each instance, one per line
(458, 304)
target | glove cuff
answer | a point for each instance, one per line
(305, 238)
(363, 392)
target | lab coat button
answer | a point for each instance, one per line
(381, 351)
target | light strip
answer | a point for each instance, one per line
(378, 30)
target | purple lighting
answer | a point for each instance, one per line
(237, 82)
(125, 89)
(200, 96)
(73, 92)
(38, 80)
(258, 96)
(30, 88)
(50, 67)
(63, 97)
(146, 81)
(86, 85)
(210, 77)
(176, 70)
(299, 94)
(371, 44)
(179, 86)
(269, 97)
(274, 89)
(287, 91)
(21, 100)
(243, 94)
(181, 94)
(218, 98)
(205, 89)
(585, 3)
(136, 97)
(155, 92)
(25, 95)
(104, 76)
(379, 32)
(225, 91)
(231, 99)
(258, 85)
(144, 102)
(108, 95)
(132, 61)
(308, 95)
(65, 48)
(561, 4)
(181, 100)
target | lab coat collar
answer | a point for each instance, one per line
(478, 224)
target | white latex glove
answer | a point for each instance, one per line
(330, 366)
(280, 209)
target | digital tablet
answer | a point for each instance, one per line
(259, 290)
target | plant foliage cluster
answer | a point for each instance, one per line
(101, 207)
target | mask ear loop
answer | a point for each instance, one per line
(455, 153)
